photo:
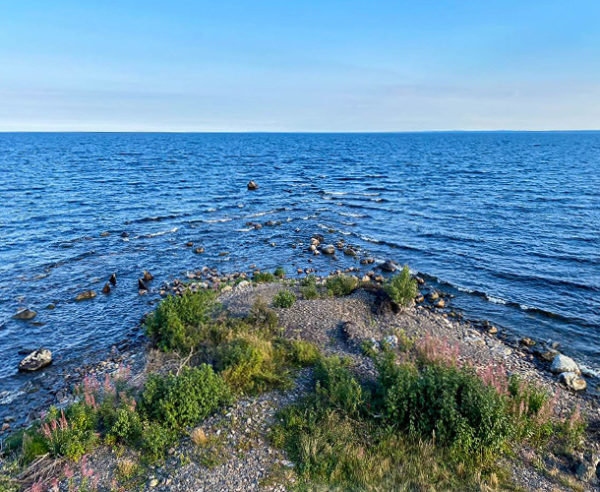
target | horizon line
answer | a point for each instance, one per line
(305, 131)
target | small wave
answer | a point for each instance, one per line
(370, 239)
(495, 300)
(156, 234)
(72, 259)
(266, 212)
(7, 397)
(157, 218)
(215, 221)
(353, 215)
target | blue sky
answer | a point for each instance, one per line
(299, 65)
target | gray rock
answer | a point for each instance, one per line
(329, 249)
(86, 294)
(388, 266)
(36, 360)
(572, 381)
(391, 340)
(562, 363)
(25, 314)
(588, 469)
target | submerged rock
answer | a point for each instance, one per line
(142, 285)
(252, 185)
(328, 249)
(113, 279)
(199, 251)
(106, 288)
(25, 314)
(572, 381)
(36, 360)
(86, 294)
(562, 363)
(388, 266)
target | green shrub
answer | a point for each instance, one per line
(336, 385)
(248, 365)
(263, 277)
(179, 322)
(70, 433)
(308, 288)
(279, 272)
(179, 401)
(451, 405)
(301, 353)
(262, 316)
(125, 426)
(402, 288)
(156, 439)
(341, 285)
(33, 445)
(284, 299)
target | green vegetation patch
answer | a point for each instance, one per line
(284, 299)
(402, 288)
(181, 400)
(341, 285)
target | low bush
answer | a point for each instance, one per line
(450, 405)
(156, 439)
(69, 433)
(337, 386)
(308, 287)
(262, 316)
(300, 353)
(284, 299)
(279, 272)
(179, 322)
(179, 401)
(341, 285)
(402, 288)
(263, 277)
(249, 365)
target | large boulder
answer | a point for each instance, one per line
(25, 314)
(36, 360)
(562, 363)
(572, 381)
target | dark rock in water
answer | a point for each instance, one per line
(106, 288)
(124, 234)
(388, 266)
(51, 306)
(199, 250)
(252, 185)
(148, 276)
(36, 360)
(528, 342)
(105, 234)
(86, 294)
(189, 244)
(25, 314)
(142, 285)
(328, 249)
(349, 252)
(113, 279)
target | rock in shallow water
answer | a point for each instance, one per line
(86, 294)
(252, 185)
(25, 314)
(572, 381)
(388, 266)
(36, 360)
(329, 249)
(562, 363)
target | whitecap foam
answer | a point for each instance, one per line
(495, 300)
(215, 221)
(156, 234)
(351, 214)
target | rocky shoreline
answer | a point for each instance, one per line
(240, 455)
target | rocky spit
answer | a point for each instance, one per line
(236, 454)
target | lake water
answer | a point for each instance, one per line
(508, 222)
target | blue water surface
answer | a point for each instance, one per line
(509, 222)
